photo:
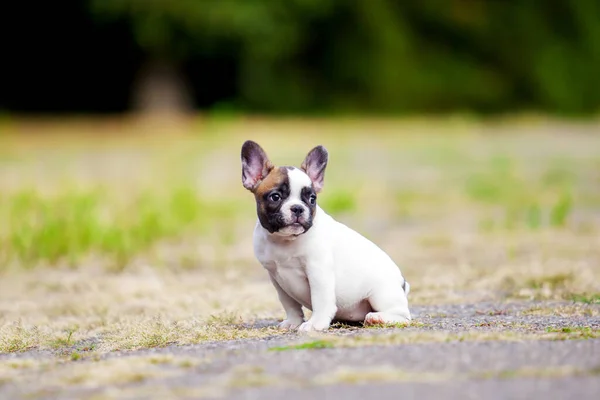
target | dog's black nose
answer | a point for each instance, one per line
(297, 210)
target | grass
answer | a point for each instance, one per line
(593, 298)
(317, 344)
(575, 332)
(157, 333)
(245, 376)
(135, 382)
(16, 338)
(339, 202)
(552, 282)
(544, 373)
(67, 227)
(399, 325)
(574, 310)
(131, 241)
(559, 285)
(415, 337)
(122, 214)
(361, 376)
(128, 329)
(388, 373)
(519, 201)
(117, 371)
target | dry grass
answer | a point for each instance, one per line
(12, 370)
(131, 377)
(388, 373)
(383, 374)
(53, 375)
(574, 310)
(414, 337)
(137, 309)
(144, 240)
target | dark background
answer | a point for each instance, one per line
(301, 56)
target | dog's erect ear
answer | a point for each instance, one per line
(255, 164)
(314, 165)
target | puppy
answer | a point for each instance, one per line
(313, 260)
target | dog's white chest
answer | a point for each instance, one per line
(289, 271)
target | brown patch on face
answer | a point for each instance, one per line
(267, 207)
(275, 179)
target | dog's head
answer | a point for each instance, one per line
(286, 197)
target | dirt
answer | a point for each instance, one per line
(476, 367)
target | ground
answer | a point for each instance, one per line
(126, 265)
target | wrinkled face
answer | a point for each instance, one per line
(286, 201)
(286, 197)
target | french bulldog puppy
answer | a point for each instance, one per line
(313, 260)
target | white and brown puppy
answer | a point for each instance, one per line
(313, 260)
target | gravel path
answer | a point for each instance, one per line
(470, 369)
(570, 388)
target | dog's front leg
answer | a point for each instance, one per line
(294, 316)
(321, 279)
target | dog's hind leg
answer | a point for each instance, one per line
(390, 306)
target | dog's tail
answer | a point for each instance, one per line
(406, 287)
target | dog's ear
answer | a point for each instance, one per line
(255, 165)
(314, 165)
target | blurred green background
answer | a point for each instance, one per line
(230, 67)
(121, 124)
(302, 56)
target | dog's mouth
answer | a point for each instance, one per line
(301, 222)
(298, 222)
(296, 228)
(302, 228)
(298, 225)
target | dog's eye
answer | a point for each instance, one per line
(275, 197)
(313, 199)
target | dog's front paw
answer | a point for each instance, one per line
(289, 324)
(310, 326)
